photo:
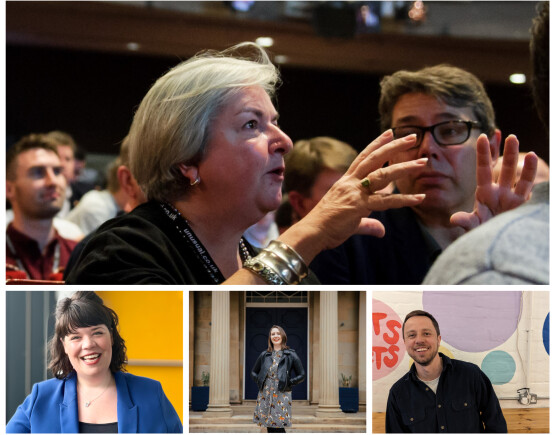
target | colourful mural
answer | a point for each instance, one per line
(499, 367)
(490, 317)
(505, 333)
(545, 333)
(388, 349)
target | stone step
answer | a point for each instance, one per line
(246, 419)
(299, 428)
(297, 409)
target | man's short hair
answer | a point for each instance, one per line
(421, 313)
(26, 143)
(539, 49)
(62, 138)
(309, 157)
(451, 85)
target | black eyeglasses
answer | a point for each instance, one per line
(444, 133)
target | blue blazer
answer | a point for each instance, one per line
(52, 407)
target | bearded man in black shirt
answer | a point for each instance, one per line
(440, 394)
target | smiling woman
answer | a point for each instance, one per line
(90, 392)
(273, 373)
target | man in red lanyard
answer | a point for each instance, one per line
(35, 187)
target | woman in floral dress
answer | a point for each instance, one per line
(272, 373)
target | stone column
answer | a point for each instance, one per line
(191, 341)
(362, 348)
(218, 405)
(329, 377)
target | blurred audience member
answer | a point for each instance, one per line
(86, 179)
(80, 162)
(452, 117)
(127, 181)
(311, 168)
(127, 184)
(285, 215)
(512, 248)
(35, 187)
(66, 151)
(96, 207)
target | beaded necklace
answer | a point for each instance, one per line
(182, 226)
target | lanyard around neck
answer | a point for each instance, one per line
(196, 245)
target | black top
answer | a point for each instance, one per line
(144, 247)
(403, 256)
(463, 403)
(98, 428)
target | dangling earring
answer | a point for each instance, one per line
(197, 180)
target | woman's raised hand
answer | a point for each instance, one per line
(344, 210)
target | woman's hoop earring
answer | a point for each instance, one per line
(196, 181)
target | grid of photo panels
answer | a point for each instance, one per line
(385, 163)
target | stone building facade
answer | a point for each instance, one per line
(228, 329)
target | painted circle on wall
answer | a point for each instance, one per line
(474, 321)
(388, 349)
(546, 333)
(499, 367)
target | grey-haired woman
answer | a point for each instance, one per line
(206, 148)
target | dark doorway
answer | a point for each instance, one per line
(259, 320)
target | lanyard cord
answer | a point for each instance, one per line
(196, 245)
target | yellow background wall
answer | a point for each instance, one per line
(151, 323)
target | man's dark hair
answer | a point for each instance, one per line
(27, 143)
(309, 157)
(62, 138)
(450, 85)
(539, 49)
(421, 313)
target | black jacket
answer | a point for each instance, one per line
(290, 360)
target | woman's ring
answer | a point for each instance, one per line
(365, 182)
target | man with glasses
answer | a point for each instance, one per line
(453, 118)
(512, 248)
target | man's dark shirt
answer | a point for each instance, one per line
(463, 393)
(403, 256)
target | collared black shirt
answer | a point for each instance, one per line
(463, 403)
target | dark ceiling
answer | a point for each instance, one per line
(70, 67)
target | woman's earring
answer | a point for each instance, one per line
(196, 181)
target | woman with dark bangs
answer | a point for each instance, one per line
(90, 392)
(272, 373)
